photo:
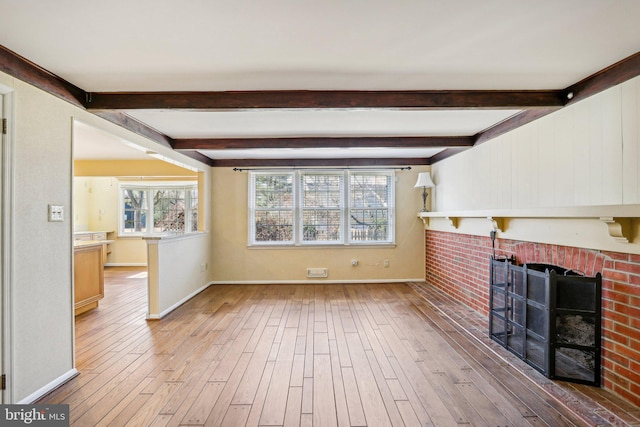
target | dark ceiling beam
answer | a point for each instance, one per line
(615, 74)
(274, 163)
(511, 123)
(199, 157)
(324, 142)
(535, 103)
(242, 100)
(25, 70)
(446, 153)
(136, 127)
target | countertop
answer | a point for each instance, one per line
(87, 243)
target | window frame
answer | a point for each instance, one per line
(301, 209)
(252, 210)
(345, 208)
(391, 205)
(149, 188)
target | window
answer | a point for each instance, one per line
(321, 207)
(149, 209)
(273, 208)
(369, 207)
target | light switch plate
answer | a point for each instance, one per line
(56, 213)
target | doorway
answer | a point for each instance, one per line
(107, 170)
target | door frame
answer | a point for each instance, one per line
(6, 242)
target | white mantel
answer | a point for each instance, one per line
(614, 228)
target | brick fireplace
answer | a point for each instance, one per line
(458, 264)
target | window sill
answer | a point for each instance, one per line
(167, 236)
(158, 236)
(337, 246)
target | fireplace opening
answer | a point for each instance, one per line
(549, 317)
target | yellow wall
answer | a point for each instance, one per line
(96, 200)
(131, 168)
(96, 204)
(99, 204)
(233, 261)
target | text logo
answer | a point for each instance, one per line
(34, 415)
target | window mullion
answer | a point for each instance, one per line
(298, 194)
(346, 215)
(150, 214)
(187, 210)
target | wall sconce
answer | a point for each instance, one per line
(424, 181)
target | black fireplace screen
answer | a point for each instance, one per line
(549, 317)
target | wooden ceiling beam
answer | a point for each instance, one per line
(25, 70)
(615, 74)
(511, 123)
(342, 162)
(323, 142)
(197, 156)
(298, 99)
(108, 105)
(445, 154)
(135, 126)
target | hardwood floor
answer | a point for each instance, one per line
(289, 355)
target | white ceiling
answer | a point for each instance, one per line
(299, 123)
(214, 45)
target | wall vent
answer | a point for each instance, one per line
(317, 272)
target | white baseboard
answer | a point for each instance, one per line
(49, 387)
(125, 264)
(310, 281)
(151, 316)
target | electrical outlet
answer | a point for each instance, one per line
(385, 263)
(56, 213)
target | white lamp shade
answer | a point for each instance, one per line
(424, 180)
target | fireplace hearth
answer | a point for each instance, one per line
(548, 316)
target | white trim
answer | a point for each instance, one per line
(155, 239)
(72, 257)
(178, 304)
(49, 387)
(7, 206)
(310, 282)
(126, 264)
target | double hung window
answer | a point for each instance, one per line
(321, 207)
(150, 209)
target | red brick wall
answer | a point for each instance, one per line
(459, 265)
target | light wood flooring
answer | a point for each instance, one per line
(290, 355)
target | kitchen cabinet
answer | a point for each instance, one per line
(83, 236)
(88, 275)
